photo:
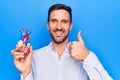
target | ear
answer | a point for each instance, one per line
(47, 24)
(71, 24)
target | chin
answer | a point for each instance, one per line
(59, 41)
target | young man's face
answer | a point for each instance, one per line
(59, 25)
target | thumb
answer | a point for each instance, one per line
(20, 43)
(80, 37)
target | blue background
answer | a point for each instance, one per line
(99, 21)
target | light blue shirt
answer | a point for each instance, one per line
(46, 65)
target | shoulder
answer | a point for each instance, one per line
(39, 52)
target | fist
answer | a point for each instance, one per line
(23, 48)
(78, 50)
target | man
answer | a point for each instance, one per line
(61, 59)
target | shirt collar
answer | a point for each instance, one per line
(65, 54)
(51, 45)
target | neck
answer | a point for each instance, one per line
(59, 48)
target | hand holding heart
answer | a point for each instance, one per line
(78, 50)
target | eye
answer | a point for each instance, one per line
(65, 21)
(53, 20)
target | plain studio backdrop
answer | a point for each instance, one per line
(99, 21)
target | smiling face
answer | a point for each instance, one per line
(59, 25)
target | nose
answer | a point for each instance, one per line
(59, 25)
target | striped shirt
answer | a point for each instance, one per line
(46, 65)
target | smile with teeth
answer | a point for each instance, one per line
(59, 32)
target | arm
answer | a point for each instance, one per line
(22, 62)
(94, 68)
(91, 64)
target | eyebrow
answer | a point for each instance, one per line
(61, 20)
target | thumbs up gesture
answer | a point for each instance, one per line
(77, 49)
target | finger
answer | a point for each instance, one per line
(70, 47)
(31, 52)
(23, 48)
(18, 57)
(72, 44)
(20, 43)
(28, 44)
(80, 37)
(12, 51)
(69, 44)
(17, 53)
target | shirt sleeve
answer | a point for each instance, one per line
(28, 77)
(94, 68)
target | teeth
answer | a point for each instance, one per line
(59, 33)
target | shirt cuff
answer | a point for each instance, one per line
(28, 77)
(91, 60)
